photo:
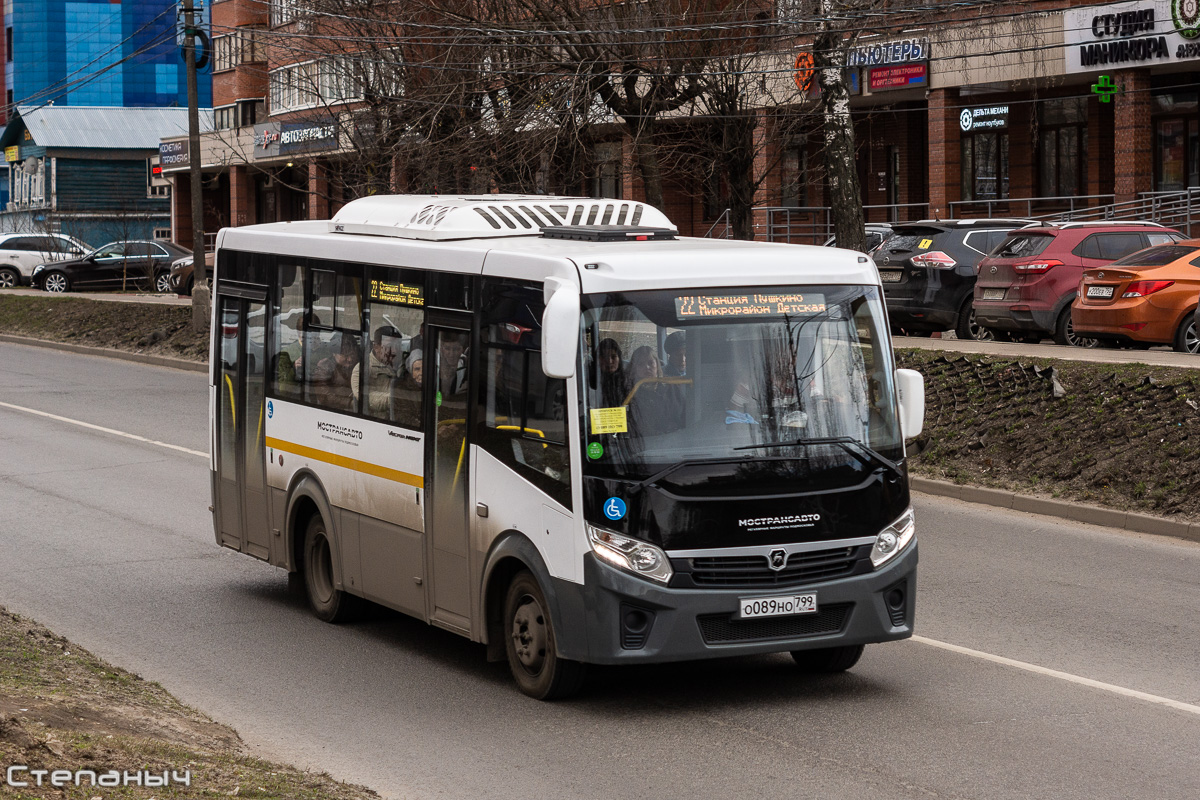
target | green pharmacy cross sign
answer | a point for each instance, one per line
(1105, 88)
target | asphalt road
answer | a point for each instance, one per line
(108, 540)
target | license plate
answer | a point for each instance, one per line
(993, 294)
(890, 275)
(1100, 291)
(783, 606)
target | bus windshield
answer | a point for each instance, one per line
(671, 377)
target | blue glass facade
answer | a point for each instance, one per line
(62, 47)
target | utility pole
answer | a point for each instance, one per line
(201, 302)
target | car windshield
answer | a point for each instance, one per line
(1156, 256)
(678, 376)
(1023, 245)
(906, 239)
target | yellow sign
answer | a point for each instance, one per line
(609, 420)
(925, 244)
(400, 294)
(12, 154)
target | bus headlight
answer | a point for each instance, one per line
(893, 539)
(630, 555)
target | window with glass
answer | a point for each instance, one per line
(393, 381)
(287, 315)
(606, 181)
(523, 412)
(1062, 147)
(985, 165)
(796, 379)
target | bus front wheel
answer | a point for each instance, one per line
(326, 600)
(828, 659)
(530, 644)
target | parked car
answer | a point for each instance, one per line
(1146, 298)
(20, 253)
(116, 265)
(182, 278)
(928, 272)
(877, 234)
(1026, 287)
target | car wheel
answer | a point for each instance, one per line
(190, 285)
(967, 327)
(9, 278)
(828, 659)
(162, 282)
(56, 282)
(1064, 332)
(531, 646)
(326, 600)
(1186, 339)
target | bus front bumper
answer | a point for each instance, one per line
(615, 617)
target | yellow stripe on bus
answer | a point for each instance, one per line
(396, 475)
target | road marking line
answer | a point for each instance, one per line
(102, 429)
(1066, 676)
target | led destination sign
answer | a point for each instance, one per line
(400, 294)
(747, 305)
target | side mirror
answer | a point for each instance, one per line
(910, 391)
(560, 328)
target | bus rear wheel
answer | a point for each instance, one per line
(327, 601)
(828, 659)
(530, 644)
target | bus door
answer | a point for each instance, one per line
(241, 472)
(448, 458)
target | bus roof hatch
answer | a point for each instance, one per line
(447, 217)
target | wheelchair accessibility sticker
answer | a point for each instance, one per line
(614, 508)
(270, 409)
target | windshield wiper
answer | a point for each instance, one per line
(690, 462)
(862, 452)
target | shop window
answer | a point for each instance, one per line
(792, 169)
(522, 412)
(1062, 148)
(985, 166)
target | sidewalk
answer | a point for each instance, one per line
(107, 297)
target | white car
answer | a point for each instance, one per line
(21, 252)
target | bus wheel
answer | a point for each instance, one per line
(828, 659)
(326, 600)
(530, 644)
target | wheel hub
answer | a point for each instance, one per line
(529, 634)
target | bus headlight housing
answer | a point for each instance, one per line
(892, 540)
(631, 555)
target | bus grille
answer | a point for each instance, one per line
(724, 629)
(752, 571)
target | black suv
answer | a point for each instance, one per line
(928, 272)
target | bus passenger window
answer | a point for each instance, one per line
(328, 379)
(286, 343)
(394, 369)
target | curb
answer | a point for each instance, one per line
(104, 352)
(1061, 509)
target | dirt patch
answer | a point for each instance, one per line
(133, 327)
(1124, 436)
(61, 708)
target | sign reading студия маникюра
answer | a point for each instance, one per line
(1134, 34)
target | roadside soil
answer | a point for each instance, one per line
(61, 708)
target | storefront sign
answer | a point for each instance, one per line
(12, 154)
(1131, 34)
(904, 51)
(984, 118)
(275, 139)
(904, 76)
(172, 154)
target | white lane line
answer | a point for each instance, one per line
(1066, 676)
(102, 429)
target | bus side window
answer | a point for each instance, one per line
(333, 344)
(394, 369)
(286, 343)
(523, 415)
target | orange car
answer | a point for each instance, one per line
(1145, 298)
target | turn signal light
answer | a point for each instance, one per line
(1037, 267)
(1143, 288)
(935, 260)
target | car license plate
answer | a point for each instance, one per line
(993, 294)
(1100, 291)
(783, 606)
(890, 275)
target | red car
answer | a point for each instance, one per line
(1026, 285)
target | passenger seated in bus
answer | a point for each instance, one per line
(385, 365)
(611, 381)
(676, 349)
(329, 384)
(406, 397)
(452, 369)
(655, 406)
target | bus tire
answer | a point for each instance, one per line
(327, 601)
(828, 659)
(530, 644)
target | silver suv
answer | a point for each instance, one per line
(21, 252)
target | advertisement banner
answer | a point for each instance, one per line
(1136, 34)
